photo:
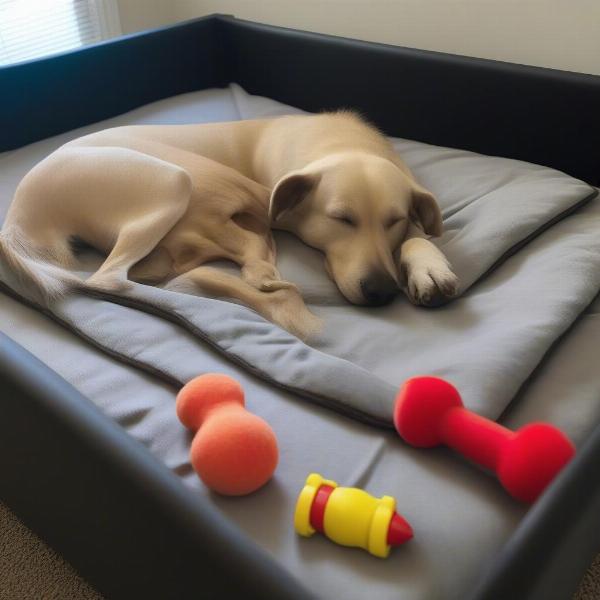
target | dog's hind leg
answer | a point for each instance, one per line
(285, 307)
(152, 202)
(134, 242)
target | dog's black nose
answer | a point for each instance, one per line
(378, 289)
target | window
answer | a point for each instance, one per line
(33, 28)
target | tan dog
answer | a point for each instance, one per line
(151, 194)
(174, 216)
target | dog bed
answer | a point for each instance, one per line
(493, 209)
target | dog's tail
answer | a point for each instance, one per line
(29, 273)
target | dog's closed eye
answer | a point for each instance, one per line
(346, 220)
(343, 217)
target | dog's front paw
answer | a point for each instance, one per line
(431, 285)
(265, 277)
(272, 285)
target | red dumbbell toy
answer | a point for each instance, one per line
(430, 412)
(234, 452)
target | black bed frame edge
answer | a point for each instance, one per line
(528, 113)
(117, 514)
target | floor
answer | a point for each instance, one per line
(590, 586)
(29, 570)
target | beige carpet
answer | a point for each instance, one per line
(29, 570)
(590, 586)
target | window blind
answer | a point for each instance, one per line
(32, 28)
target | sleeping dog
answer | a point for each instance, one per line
(161, 201)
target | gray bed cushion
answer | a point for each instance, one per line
(491, 207)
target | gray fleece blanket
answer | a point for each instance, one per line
(487, 341)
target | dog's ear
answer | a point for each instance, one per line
(290, 191)
(425, 212)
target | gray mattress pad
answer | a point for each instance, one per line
(501, 331)
(491, 207)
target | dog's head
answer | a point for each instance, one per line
(356, 208)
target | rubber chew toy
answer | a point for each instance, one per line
(234, 452)
(429, 412)
(350, 516)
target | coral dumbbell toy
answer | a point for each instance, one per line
(350, 516)
(429, 412)
(234, 452)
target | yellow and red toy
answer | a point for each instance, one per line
(350, 516)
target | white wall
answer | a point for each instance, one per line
(137, 15)
(563, 34)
